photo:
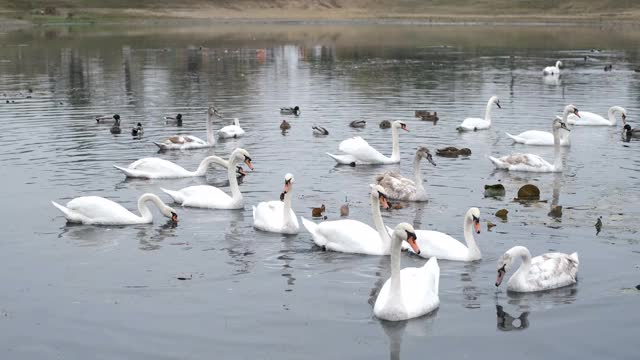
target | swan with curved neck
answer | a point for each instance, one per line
(587, 118)
(531, 162)
(231, 131)
(156, 168)
(210, 197)
(96, 210)
(552, 70)
(545, 138)
(410, 292)
(277, 216)
(473, 124)
(351, 236)
(359, 152)
(186, 142)
(441, 245)
(398, 187)
(544, 272)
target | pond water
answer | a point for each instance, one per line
(113, 292)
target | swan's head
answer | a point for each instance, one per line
(288, 185)
(473, 215)
(378, 192)
(423, 153)
(619, 110)
(170, 213)
(241, 155)
(559, 124)
(558, 64)
(504, 265)
(495, 100)
(213, 111)
(240, 171)
(572, 109)
(400, 124)
(236, 121)
(405, 232)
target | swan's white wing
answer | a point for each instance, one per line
(533, 137)
(230, 131)
(203, 196)
(522, 162)
(269, 216)
(548, 271)
(551, 70)
(440, 245)
(156, 165)
(361, 150)
(101, 210)
(587, 118)
(351, 236)
(397, 186)
(471, 124)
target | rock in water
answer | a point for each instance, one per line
(496, 190)
(529, 192)
(556, 211)
(502, 214)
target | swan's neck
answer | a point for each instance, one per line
(233, 181)
(144, 209)
(396, 286)
(487, 112)
(211, 140)
(469, 239)
(525, 255)
(395, 136)
(558, 64)
(236, 122)
(287, 207)
(204, 164)
(612, 115)
(417, 175)
(378, 223)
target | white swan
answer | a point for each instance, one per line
(210, 197)
(473, 124)
(443, 246)
(410, 292)
(544, 272)
(590, 119)
(351, 236)
(398, 187)
(531, 162)
(96, 210)
(186, 142)
(231, 131)
(358, 151)
(544, 138)
(156, 168)
(552, 70)
(277, 216)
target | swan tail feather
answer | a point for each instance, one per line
(312, 228)
(70, 215)
(574, 257)
(175, 195)
(254, 213)
(513, 137)
(127, 172)
(495, 161)
(161, 145)
(343, 159)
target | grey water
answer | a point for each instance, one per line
(104, 292)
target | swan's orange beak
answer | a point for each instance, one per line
(501, 272)
(576, 113)
(411, 239)
(476, 225)
(174, 217)
(248, 162)
(404, 127)
(383, 201)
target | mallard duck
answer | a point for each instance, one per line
(319, 130)
(137, 130)
(451, 151)
(385, 124)
(107, 118)
(115, 129)
(290, 110)
(285, 125)
(177, 120)
(358, 124)
(317, 211)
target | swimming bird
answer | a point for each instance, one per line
(177, 120)
(137, 130)
(107, 118)
(398, 187)
(319, 130)
(211, 197)
(344, 208)
(385, 124)
(277, 216)
(284, 125)
(187, 142)
(552, 70)
(608, 67)
(473, 124)
(290, 110)
(451, 151)
(545, 138)
(318, 211)
(115, 129)
(358, 151)
(358, 124)
(587, 118)
(545, 272)
(629, 133)
(410, 292)
(156, 168)
(96, 210)
(231, 131)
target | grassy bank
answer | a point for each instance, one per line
(100, 11)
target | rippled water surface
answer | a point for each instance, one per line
(113, 292)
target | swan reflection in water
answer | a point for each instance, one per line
(506, 322)
(149, 237)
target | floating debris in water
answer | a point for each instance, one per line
(490, 225)
(496, 190)
(598, 225)
(184, 277)
(528, 192)
(556, 211)
(502, 214)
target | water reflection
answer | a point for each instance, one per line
(151, 238)
(561, 296)
(239, 250)
(506, 322)
(88, 235)
(470, 292)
